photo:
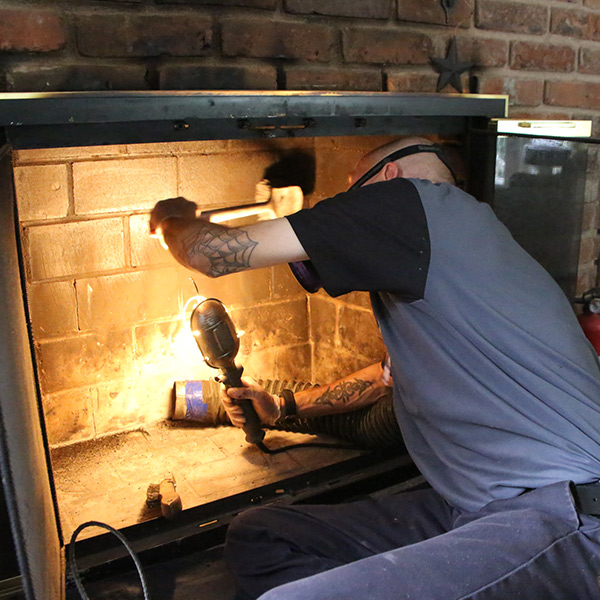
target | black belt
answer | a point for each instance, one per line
(587, 498)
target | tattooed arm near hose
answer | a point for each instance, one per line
(363, 388)
(214, 249)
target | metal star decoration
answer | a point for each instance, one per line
(450, 69)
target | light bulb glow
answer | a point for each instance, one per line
(158, 235)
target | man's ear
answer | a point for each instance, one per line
(391, 171)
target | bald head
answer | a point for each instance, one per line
(424, 165)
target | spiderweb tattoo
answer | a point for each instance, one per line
(228, 250)
(342, 392)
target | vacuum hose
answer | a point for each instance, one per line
(372, 427)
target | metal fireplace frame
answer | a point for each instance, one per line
(51, 120)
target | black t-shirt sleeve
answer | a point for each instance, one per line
(372, 239)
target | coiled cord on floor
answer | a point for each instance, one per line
(73, 564)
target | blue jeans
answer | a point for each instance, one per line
(415, 546)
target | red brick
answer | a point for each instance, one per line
(517, 17)
(265, 4)
(431, 11)
(540, 113)
(388, 46)
(277, 39)
(527, 92)
(575, 23)
(307, 78)
(407, 81)
(212, 77)
(589, 61)
(65, 78)
(372, 9)
(31, 31)
(144, 35)
(483, 52)
(578, 94)
(490, 85)
(521, 92)
(541, 57)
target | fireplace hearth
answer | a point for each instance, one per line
(93, 337)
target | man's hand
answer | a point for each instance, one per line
(173, 207)
(265, 404)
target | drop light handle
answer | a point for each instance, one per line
(232, 377)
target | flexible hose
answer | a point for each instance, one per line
(73, 564)
(371, 427)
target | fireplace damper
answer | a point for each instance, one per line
(79, 140)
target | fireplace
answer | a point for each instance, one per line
(94, 333)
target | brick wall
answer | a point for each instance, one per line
(544, 53)
(106, 300)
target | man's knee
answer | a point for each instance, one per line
(249, 523)
(246, 531)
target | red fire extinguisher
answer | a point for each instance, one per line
(590, 318)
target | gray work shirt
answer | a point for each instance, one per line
(496, 389)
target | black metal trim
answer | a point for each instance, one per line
(94, 134)
(90, 118)
(67, 108)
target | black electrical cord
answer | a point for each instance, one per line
(73, 564)
(261, 446)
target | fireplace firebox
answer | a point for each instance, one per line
(93, 329)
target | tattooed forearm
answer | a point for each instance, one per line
(227, 250)
(343, 393)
